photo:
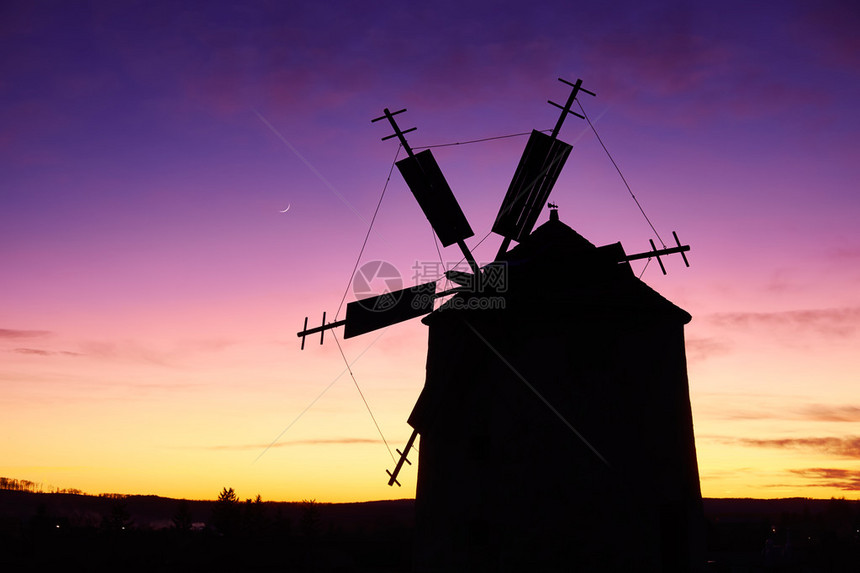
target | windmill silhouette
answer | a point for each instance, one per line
(555, 423)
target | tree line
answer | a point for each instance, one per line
(28, 486)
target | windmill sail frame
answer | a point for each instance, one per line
(427, 183)
(539, 167)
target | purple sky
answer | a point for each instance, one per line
(151, 290)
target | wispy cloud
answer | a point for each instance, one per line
(825, 413)
(829, 29)
(848, 480)
(318, 442)
(831, 322)
(166, 353)
(41, 352)
(846, 447)
(14, 334)
(846, 253)
(781, 281)
(665, 51)
(757, 408)
(704, 348)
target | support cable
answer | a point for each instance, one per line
(315, 400)
(363, 399)
(441, 260)
(629, 190)
(482, 140)
(647, 262)
(367, 236)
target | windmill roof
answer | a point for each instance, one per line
(557, 268)
(554, 239)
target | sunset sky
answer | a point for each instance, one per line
(151, 289)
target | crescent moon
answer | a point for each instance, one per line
(287, 209)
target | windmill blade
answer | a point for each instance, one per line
(539, 167)
(428, 185)
(393, 475)
(535, 176)
(376, 312)
(657, 253)
(431, 190)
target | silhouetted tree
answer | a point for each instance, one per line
(118, 519)
(41, 523)
(228, 495)
(19, 485)
(226, 515)
(182, 519)
(310, 524)
(310, 519)
(254, 520)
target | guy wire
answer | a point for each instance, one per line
(629, 190)
(363, 399)
(367, 236)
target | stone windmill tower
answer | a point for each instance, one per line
(555, 420)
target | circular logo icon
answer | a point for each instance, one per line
(376, 285)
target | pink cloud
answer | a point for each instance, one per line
(704, 348)
(846, 253)
(10, 333)
(831, 322)
(40, 352)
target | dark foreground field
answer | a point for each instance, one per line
(65, 532)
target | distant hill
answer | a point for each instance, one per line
(154, 512)
(43, 531)
(62, 531)
(150, 511)
(749, 506)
